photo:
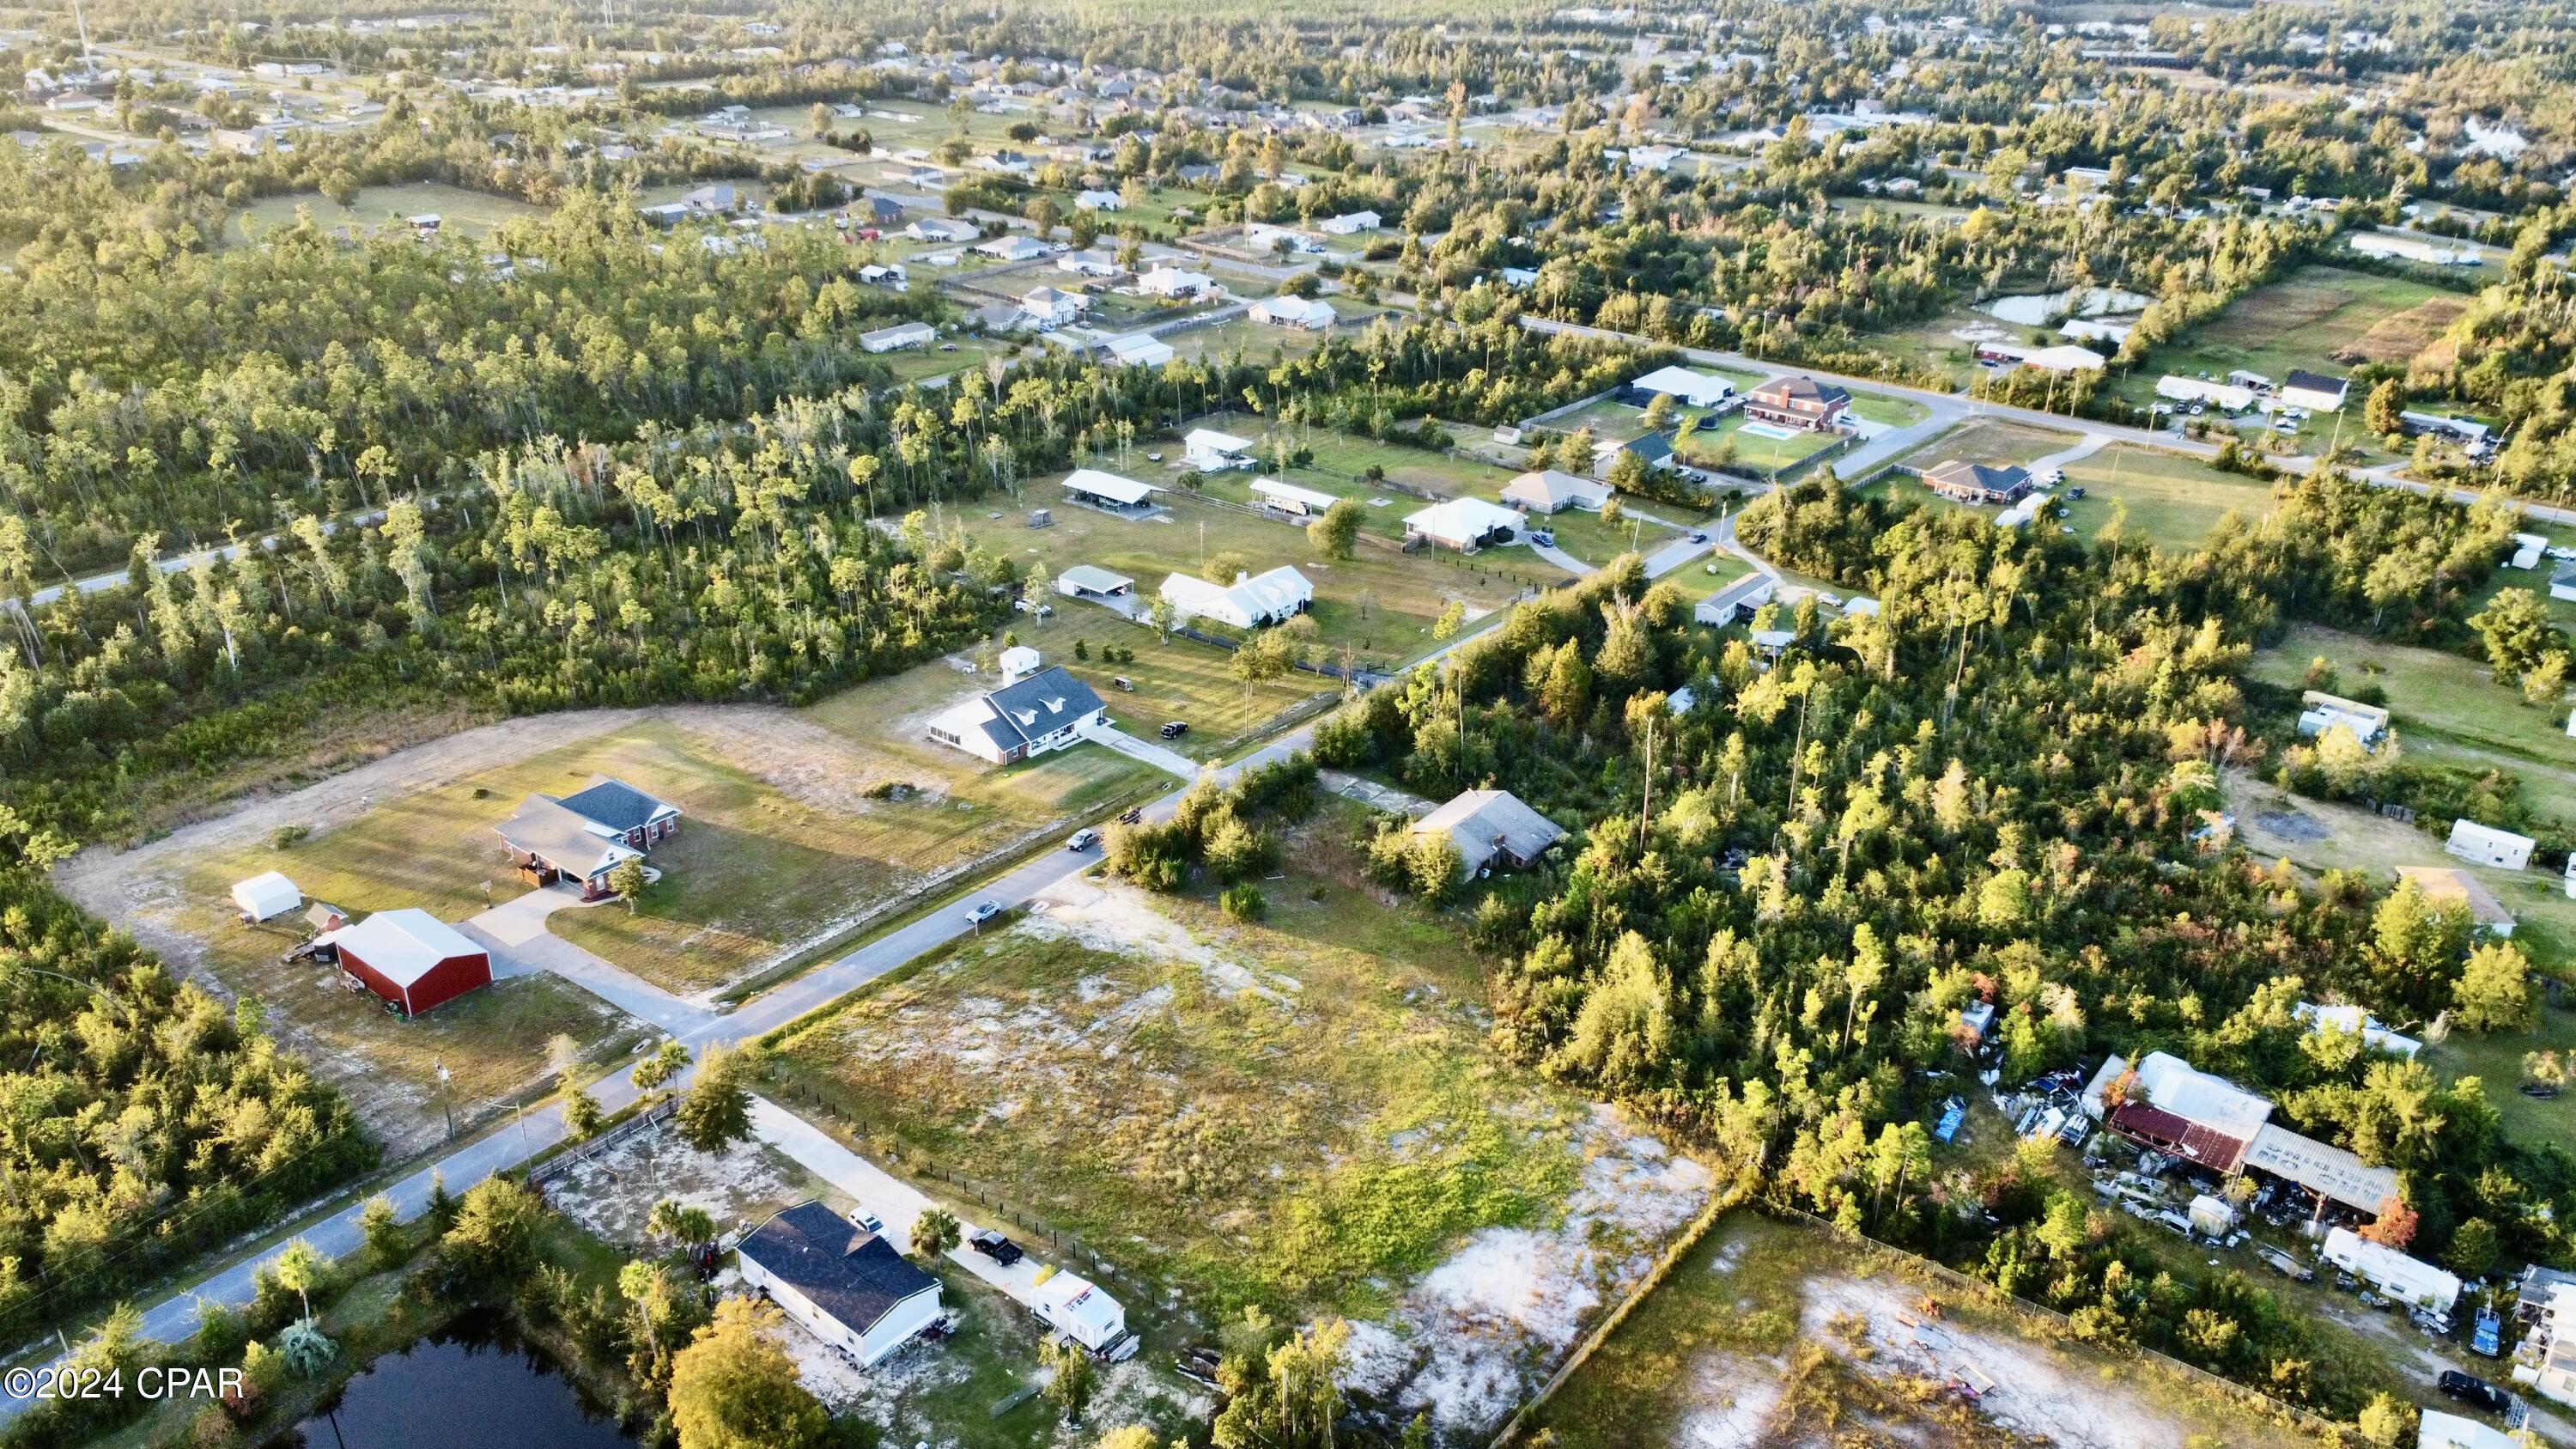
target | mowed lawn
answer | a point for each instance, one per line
(1347, 460)
(474, 213)
(1299, 1112)
(1380, 603)
(2322, 319)
(2171, 500)
(2431, 693)
(1990, 440)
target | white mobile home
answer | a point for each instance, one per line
(1247, 603)
(1081, 1311)
(2484, 845)
(2407, 1279)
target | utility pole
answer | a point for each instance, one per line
(446, 1105)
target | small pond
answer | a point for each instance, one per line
(473, 1386)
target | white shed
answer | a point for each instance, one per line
(1019, 662)
(2486, 845)
(1081, 1311)
(264, 896)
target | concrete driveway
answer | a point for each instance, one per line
(515, 933)
(1161, 757)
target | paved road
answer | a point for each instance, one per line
(175, 1318)
(2388, 476)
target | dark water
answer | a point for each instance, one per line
(473, 1386)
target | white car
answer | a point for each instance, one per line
(982, 911)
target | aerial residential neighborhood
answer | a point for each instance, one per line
(1056, 727)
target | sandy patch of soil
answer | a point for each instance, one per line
(612, 1192)
(1739, 1396)
(2036, 1393)
(1482, 1329)
(1119, 919)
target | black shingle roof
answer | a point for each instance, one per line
(848, 1272)
(1043, 703)
(614, 803)
(2314, 382)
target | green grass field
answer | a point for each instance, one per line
(474, 213)
(1301, 1112)
(1989, 440)
(1380, 603)
(2171, 500)
(1342, 461)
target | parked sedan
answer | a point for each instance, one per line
(2474, 1391)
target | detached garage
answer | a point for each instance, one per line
(265, 896)
(411, 959)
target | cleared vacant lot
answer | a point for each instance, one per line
(1301, 1113)
(2323, 319)
(1772, 1335)
(2170, 499)
(1990, 440)
(475, 213)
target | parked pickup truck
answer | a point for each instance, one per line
(994, 1246)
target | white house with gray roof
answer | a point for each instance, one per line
(1046, 711)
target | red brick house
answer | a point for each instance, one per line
(1798, 402)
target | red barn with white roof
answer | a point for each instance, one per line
(412, 959)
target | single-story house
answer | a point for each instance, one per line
(1050, 307)
(1290, 499)
(1097, 201)
(410, 958)
(2562, 582)
(889, 275)
(1174, 282)
(2488, 846)
(899, 337)
(845, 1284)
(264, 897)
(1492, 829)
(1081, 1311)
(1210, 451)
(1350, 223)
(1108, 490)
(1314, 314)
(942, 229)
(2459, 430)
(2446, 887)
(1735, 603)
(1464, 524)
(1798, 402)
(1551, 491)
(1091, 581)
(616, 808)
(1046, 711)
(2320, 712)
(1682, 385)
(1247, 603)
(2227, 397)
(553, 843)
(1266, 236)
(2315, 391)
(1090, 262)
(1653, 449)
(1136, 349)
(1013, 248)
(1961, 481)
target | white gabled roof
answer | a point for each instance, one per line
(1209, 440)
(1108, 485)
(1681, 382)
(1282, 590)
(1462, 518)
(402, 945)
